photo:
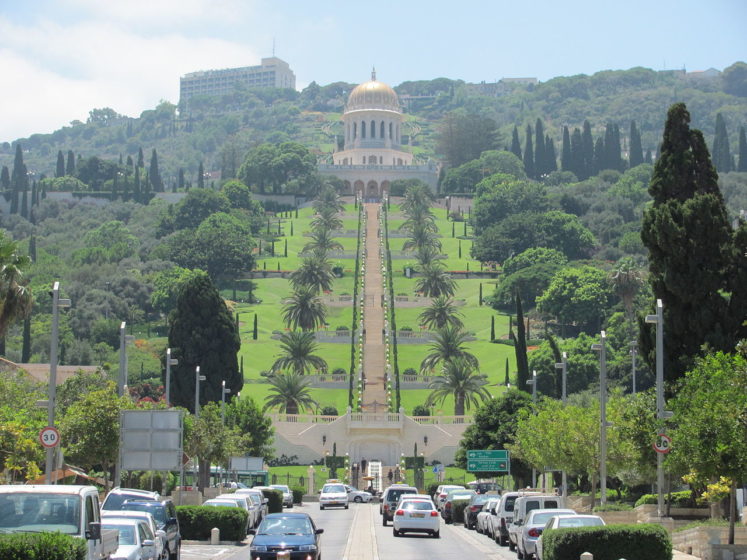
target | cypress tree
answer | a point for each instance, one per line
(636, 150)
(26, 344)
(540, 164)
(742, 165)
(551, 160)
(577, 155)
(292, 229)
(492, 328)
(479, 298)
(154, 173)
(60, 171)
(200, 177)
(648, 157)
(285, 249)
(529, 154)
(691, 255)
(506, 381)
(520, 347)
(566, 160)
(721, 151)
(140, 158)
(460, 248)
(515, 143)
(5, 178)
(25, 204)
(607, 161)
(19, 179)
(254, 328)
(32, 248)
(70, 166)
(180, 180)
(600, 157)
(588, 149)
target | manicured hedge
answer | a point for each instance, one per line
(41, 546)
(274, 500)
(457, 510)
(195, 522)
(682, 499)
(641, 542)
(297, 495)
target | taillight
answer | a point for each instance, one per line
(534, 532)
(442, 496)
(474, 508)
(447, 505)
(434, 513)
(400, 512)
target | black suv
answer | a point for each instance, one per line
(164, 514)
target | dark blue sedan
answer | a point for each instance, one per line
(291, 536)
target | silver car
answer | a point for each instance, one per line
(162, 550)
(287, 494)
(532, 528)
(136, 540)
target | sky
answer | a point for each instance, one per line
(61, 58)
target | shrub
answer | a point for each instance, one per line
(682, 499)
(339, 371)
(298, 495)
(642, 542)
(342, 328)
(421, 410)
(410, 371)
(614, 507)
(195, 522)
(406, 329)
(457, 510)
(329, 411)
(274, 500)
(337, 271)
(42, 546)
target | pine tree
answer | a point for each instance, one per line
(566, 159)
(515, 143)
(60, 171)
(577, 155)
(600, 157)
(691, 253)
(742, 165)
(180, 180)
(721, 151)
(529, 154)
(636, 150)
(588, 149)
(154, 173)
(540, 164)
(551, 159)
(200, 177)
(70, 166)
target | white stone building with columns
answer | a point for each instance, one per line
(372, 155)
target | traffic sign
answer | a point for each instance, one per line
(662, 443)
(49, 436)
(488, 460)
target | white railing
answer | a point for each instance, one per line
(369, 418)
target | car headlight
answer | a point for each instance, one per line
(258, 548)
(307, 548)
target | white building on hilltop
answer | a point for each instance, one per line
(372, 156)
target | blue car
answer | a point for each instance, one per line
(293, 533)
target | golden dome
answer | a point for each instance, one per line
(373, 95)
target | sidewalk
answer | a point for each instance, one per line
(362, 541)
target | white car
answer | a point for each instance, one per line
(563, 521)
(160, 536)
(416, 516)
(333, 494)
(532, 528)
(442, 491)
(358, 496)
(287, 494)
(136, 540)
(484, 523)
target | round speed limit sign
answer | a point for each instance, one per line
(49, 436)
(662, 443)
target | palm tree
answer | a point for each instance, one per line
(420, 216)
(328, 219)
(442, 312)
(304, 310)
(15, 297)
(328, 198)
(428, 255)
(458, 379)
(446, 346)
(421, 237)
(416, 196)
(434, 281)
(322, 242)
(315, 272)
(290, 393)
(626, 279)
(297, 354)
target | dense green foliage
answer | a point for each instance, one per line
(642, 541)
(195, 522)
(42, 546)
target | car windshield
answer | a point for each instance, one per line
(115, 499)
(255, 498)
(580, 522)
(25, 512)
(155, 509)
(394, 495)
(542, 518)
(126, 533)
(285, 526)
(280, 487)
(334, 488)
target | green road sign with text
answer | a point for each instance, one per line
(488, 460)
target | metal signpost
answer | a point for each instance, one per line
(488, 460)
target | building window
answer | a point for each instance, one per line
(355, 130)
(390, 131)
(373, 129)
(363, 129)
(364, 160)
(381, 128)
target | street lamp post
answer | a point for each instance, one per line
(223, 392)
(122, 358)
(169, 362)
(601, 348)
(198, 378)
(563, 367)
(56, 304)
(533, 383)
(661, 414)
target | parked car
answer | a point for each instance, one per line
(117, 496)
(474, 507)
(405, 497)
(442, 491)
(294, 533)
(416, 516)
(160, 536)
(390, 499)
(136, 540)
(453, 497)
(259, 503)
(333, 494)
(563, 521)
(358, 496)
(522, 507)
(484, 524)
(531, 529)
(243, 502)
(164, 512)
(504, 515)
(287, 494)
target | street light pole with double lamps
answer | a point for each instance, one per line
(602, 349)
(169, 362)
(563, 367)
(198, 378)
(533, 383)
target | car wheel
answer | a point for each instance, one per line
(511, 546)
(436, 534)
(321, 506)
(176, 554)
(346, 506)
(395, 532)
(357, 499)
(503, 541)
(519, 553)
(383, 520)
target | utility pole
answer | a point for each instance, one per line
(563, 367)
(122, 359)
(533, 383)
(601, 348)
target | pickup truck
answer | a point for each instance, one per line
(71, 510)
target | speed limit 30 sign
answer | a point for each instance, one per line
(662, 443)
(49, 436)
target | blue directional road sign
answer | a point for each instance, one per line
(488, 460)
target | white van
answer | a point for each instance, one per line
(504, 515)
(523, 505)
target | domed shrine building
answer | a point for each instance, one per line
(372, 156)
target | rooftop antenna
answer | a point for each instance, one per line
(373, 74)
